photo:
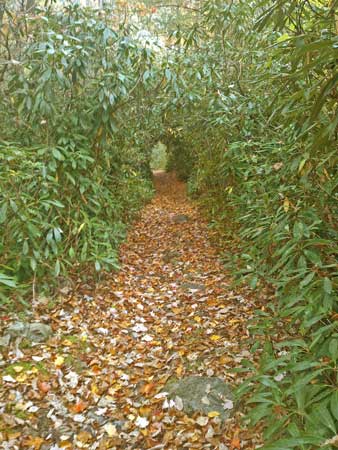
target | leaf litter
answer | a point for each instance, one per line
(98, 382)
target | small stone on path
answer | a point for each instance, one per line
(180, 218)
(193, 286)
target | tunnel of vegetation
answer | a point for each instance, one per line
(244, 96)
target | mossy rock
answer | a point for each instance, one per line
(34, 332)
(181, 218)
(202, 394)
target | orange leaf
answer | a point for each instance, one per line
(44, 386)
(147, 388)
(79, 407)
(179, 370)
(35, 442)
(235, 443)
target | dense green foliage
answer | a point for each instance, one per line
(257, 115)
(245, 99)
(73, 172)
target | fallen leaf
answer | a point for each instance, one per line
(84, 437)
(59, 361)
(147, 388)
(141, 422)
(34, 442)
(44, 386)
(235, 442)
(79, 407)
(228, 404)
(215, 337)
(110, 429)
(9, 379)
(212, 414)
(202, 421)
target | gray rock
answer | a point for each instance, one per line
(170, 256)
(4, 340)
(202, 394)
(193, 286)
(35, 332)
(181, 218)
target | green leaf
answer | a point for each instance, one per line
(334, 404)
(292, 443)
(253, 282)
(325, 91)
(313, 256)
(298, 230)
(146, 76)
(33, 264)
(57, 234)
(25, 248)
(307, 280)
(327, 285)
(333, 348)
(13, 205)
(57, 154)
(3, 213)
(167, 73)
(321, 414)
(57, 268)
(7, 281)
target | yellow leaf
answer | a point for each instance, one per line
(215, 337)
(110, 429)
(94, 389)
(18, 369)
(197, 319)
(212, 414)
(21, 378)
(179, 371)
(301, 165)
(13, 435)
(84, 437)
(286, 204)
(113, 389)
(80, 227)
(59, 361)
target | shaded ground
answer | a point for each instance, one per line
(167, 314)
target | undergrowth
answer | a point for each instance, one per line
(256, 128)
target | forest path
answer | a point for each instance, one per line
(168, 313)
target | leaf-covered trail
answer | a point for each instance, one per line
(168, 313)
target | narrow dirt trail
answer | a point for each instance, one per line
(168, 313)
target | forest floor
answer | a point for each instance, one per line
(169, 313)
